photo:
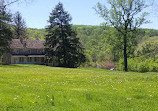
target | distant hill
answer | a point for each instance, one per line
(36, 33)
(82, 31)
(86, 31)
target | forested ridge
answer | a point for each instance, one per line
(87, 32)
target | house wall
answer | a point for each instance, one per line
(27, 51)
(27, 60)
(27, 56)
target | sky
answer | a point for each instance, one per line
(36, 12)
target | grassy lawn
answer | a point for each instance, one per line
(43, 88)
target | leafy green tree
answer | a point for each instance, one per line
(20, 31)
(5, 31)
(62, 45)
(125, 16)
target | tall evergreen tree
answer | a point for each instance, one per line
(5, 31)
(62, 45)
(19, 27)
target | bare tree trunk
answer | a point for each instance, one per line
(125, 52)
(0, 60)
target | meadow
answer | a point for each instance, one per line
(44, 88)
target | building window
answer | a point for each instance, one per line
(40, 51)
(36, 59)
(21, 59)
(15, 60)
(29, 59)
(21, 51)
(42, 59)
(35, 51)
(17, 51)
(29, 51)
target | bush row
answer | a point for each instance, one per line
(140, 64)
(102, 65)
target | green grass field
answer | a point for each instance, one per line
(43, 88)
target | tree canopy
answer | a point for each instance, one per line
(125, 16)
(20, 31)
(5, 31)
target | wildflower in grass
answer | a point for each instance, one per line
(129, 99)
(51, 99)
(69, 99)
(15, 98)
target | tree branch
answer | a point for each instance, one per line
(9, 4)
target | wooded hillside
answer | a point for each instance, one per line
(94, 39)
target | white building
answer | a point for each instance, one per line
(25, 52)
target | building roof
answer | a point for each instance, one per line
(27, 43)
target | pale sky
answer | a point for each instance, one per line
(36, 13)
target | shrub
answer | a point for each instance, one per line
(153, 67)
(132, 66)
(121, 65)
(89, 64)
(107, 65)
(143, 67)
(140, 64)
